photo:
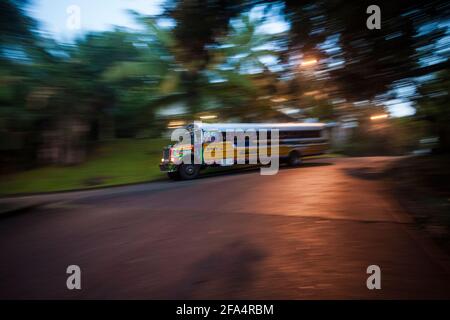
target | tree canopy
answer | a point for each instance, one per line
(219, 56)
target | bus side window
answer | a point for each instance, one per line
(282, 135)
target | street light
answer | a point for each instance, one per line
(279, 99)
(379, 117)
(175, 124)
(208, 117)
(311, 93)
(308, 62)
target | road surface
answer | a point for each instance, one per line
(306, 233)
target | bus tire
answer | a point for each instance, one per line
(188, 171)
(173, 175)
(294, 159)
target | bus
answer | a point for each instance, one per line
(295, 140)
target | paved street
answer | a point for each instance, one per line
(306, 233)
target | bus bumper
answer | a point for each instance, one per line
(168, 167)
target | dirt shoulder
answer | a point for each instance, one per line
(422, 186)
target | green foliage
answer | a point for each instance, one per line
(373, 59)
(393, 137)
(176, 79)
(57, 99)
(433, 106)
(116, 162)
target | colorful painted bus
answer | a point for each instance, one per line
(295, 140)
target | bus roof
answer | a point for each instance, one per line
(257, 126)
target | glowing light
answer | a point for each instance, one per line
(311, 93)
(379, 117)
(290, 110)
(208, 117)
(280, 99)
(321, 96)
(176, 124)
(308, 62)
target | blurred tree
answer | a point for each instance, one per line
(95, 54)
(169, 79)
(80, 107)
(15, 25)
(433, 106)
(367, 62)
(199, 23)
(55, 98)
(17, 45)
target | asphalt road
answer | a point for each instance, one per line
(306, 233)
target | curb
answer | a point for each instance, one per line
(20, 209)
(26, 194)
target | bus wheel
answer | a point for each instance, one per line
(294, 159)
(173, 175)
(188, 171)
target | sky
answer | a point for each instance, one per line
(95, 15)
(56, 17)
(99, 15)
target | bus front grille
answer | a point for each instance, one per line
(166, 153)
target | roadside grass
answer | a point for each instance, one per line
(114, 163)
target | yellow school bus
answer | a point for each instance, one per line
(229, 144)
